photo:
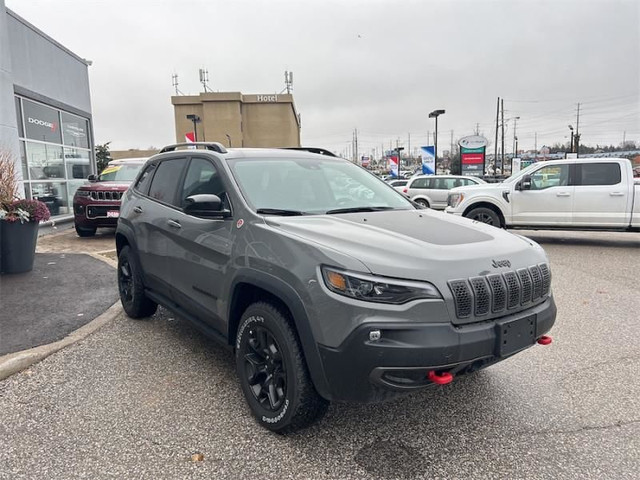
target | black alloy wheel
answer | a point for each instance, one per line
(272, 370)
(265, 370)
(130, 287)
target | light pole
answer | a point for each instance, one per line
(571, 128)
(195, 119)
(229, 139)
(435, 115)
(515, 140)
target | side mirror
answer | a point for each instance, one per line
(92, 178)
(205, 205)
(525, 183)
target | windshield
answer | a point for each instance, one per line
(120, 173)
(313, 186)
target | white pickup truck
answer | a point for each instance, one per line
(580, 194)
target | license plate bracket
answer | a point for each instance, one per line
(514, 335)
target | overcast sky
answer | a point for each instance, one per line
(378, 66)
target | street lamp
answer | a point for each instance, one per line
(515, 139)
(229, 139)
(435, 115)
(195, 119)
(571, 128)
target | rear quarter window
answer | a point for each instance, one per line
(143, 182)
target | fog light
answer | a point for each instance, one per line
(374, 335)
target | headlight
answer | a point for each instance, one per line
(455, 199)
(371, 288)
(83, 193)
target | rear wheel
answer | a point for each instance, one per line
(85, 231)
(484, 215)
(134, 301)
(273, 373)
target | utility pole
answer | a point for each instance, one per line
(535, 145)
(356, 138)
(409, 144)
(502, 119)
(577, 137)
(495, 155)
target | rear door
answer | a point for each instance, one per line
(154, 232)
(602, 197)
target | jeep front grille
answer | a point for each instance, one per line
(106, 195)
(500, 292)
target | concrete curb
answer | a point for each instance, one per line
(18, 361)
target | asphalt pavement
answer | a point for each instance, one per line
(63, 292)
(144, 399)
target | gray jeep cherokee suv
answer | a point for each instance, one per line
(325, 291)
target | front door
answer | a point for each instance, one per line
(549, 201)
(203, 256)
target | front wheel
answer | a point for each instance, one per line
(85, 231)
(423, 202)
(484, 215)
(273, 373)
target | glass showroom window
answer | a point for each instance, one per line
(56, 155)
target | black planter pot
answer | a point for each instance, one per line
(17, 246)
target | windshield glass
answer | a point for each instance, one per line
(120, 173)
(313, 186)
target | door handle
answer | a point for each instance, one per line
(563, 194)
(137, 209)
(617, 194)
(174, 224)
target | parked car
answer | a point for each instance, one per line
(583, 193)
(323, 294)
(432, 190)
(398, 184)
(97, 203)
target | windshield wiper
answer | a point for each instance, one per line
(359, 209)
(279, 211)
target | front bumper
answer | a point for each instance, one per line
(453, 210)
(364, 370)
(89, 213)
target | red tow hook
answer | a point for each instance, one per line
(545, 340)
(439, 378)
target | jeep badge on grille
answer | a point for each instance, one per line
(501, 263)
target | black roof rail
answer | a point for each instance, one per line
(319, 151)
(215, 146)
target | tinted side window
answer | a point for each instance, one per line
(165, 182)
(142, 185)
(202, 178)
(599, 174)
(419, 183)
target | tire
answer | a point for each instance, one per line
(485, 215)
(422, 202)
(130, 286)
(85, 231)
(273, 373)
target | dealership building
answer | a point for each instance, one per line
(45, 113)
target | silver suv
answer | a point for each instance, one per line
(326, 282)
(432, 190)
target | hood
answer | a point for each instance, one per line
(118, 186)
(477, 187)
(416, 244)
